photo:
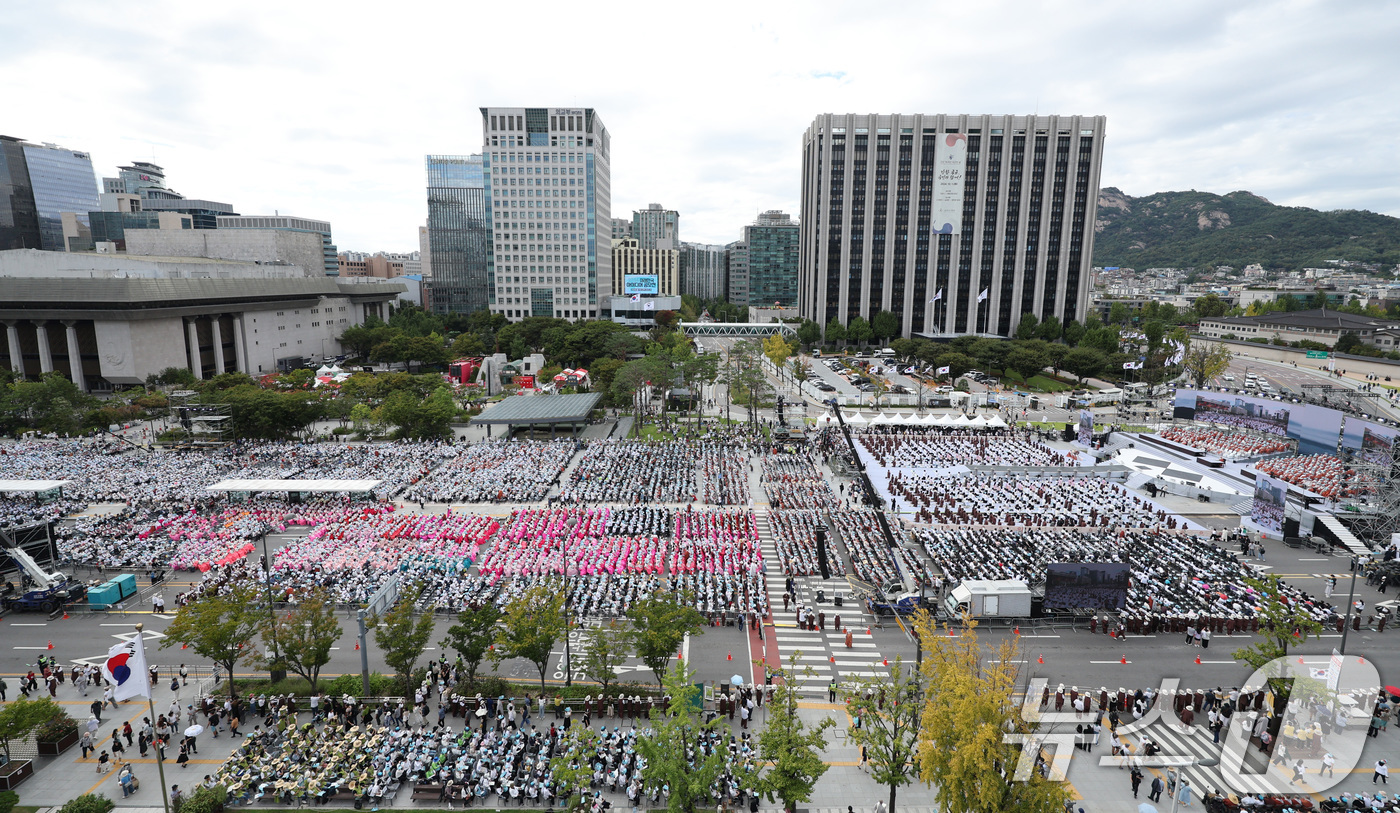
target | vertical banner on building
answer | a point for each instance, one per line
(1270, 497)
(1085, 435)
(949, 160)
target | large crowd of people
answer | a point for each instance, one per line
(1176, 577)
(1323, 474)
(497, 470)
(629, 471)
(1006, 499)
(1226, 444)
(724, 474)
(926, 449)
(792, 480)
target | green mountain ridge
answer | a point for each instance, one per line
(1200, 229)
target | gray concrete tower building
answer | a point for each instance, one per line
(957, 224)
(548, 197)
(657, 227)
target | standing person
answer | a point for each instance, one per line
(86, 743)
(184, 675)
(3, 687)
(1155, 790)
(1137, 781)
(1205, 639)
(117, 748)
(1382, 773)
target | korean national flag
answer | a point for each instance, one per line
(126, 668)
(649, 306)
(636, 297)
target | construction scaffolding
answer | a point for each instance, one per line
(1372, 508)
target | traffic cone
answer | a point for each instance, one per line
(187, 646)
(51, 644)
(1198, 660)
(1123, 660)
(1016, 630)
(730, 656)
(950, 632)
(1040, 659)
(65, 616)
(357, 646)
(832, 658)
(1300, 659)
(680, 656)
(886, 661)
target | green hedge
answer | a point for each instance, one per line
(88, 803)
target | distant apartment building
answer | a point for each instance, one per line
(656, 227)
(379, 265)
(702, 270)
(549, 198)
(621, 228)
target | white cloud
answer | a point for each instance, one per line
(326, 109)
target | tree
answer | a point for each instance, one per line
(859, 330)
(1348, 342)
(420, 418)
(467, 344)
(776, 348)
(219, 627)
(799, 373)
(1283, 622)
(1083, 362)
(402, 635)
(303, 636)
(1118, 314)
(991, 353)
(1049, 329)
(888, 710)
(809, 333)
(1210, 306)
(1055, 356)
(473, 635)
(660, 624)
(1073, 332)
(1027, 326)
(1203, 362)
(572, 770)
(531, 625)
(671, 756)
(608, 647)
(884, 325)
(21, 716)
(1026, 361)
(835, 331)
(793, 751)
(967, 710)
(957, 363)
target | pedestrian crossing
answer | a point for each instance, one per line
(1189, 744)
(823, 651)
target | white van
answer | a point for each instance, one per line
(886, 353)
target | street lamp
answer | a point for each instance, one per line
(1351, 604)
(1176, 771)
(275, 674)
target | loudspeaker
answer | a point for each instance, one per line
(821, 554)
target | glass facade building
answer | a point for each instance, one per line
(772, 243)
(19, 220)
(62, 181)
(457, 232)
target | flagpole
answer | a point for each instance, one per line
(151, 705)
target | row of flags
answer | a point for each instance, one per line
(980, 297)
(649, 306)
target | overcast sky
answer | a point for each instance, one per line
(326, 110)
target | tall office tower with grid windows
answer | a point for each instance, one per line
(956, 224)
(548, 198)
(656, 227)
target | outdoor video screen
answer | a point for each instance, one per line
(1243, 413)
(1315, 428)
(1086, 585)
(1269, 498)
(1374, 441)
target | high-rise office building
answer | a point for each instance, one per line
(621, 228)
(38, 183)
(458, 227)
(549, 198)
(645, 271)
(956, 224)
(702, 270)
(656, 227)
(736, 273)
(771, 244)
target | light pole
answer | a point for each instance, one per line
(1351, 604)
(569, 526)
(1176, 770)
(275, 674)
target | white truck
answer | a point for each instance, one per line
(989, 598)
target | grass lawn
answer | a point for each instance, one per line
(1036, 383)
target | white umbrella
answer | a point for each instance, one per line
(194, 731)
(1146, 808)
(737, 680)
